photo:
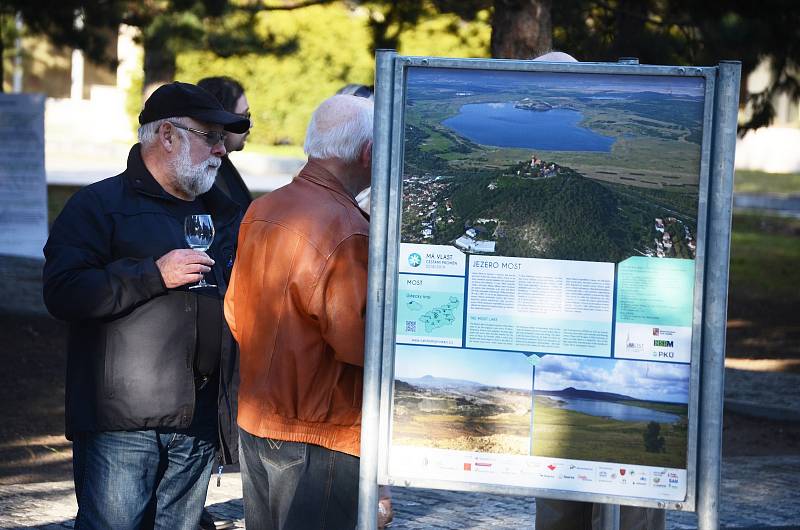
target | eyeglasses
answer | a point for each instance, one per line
(212, 137)
(246, 115)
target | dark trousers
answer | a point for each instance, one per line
(553, 514)
(292, 485)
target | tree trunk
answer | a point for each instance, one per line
(521, 29)
(159, 65)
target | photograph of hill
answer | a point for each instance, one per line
(465, 400)
(612, 411)
(563, 166)
(600, 410)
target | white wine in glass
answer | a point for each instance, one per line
(199, 233)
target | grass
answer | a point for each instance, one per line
(765, 251)
(559, 433)
(57, 197)
(746, 181)
(562, 433)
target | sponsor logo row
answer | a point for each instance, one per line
(584, 473)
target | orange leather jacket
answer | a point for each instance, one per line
(296, 303)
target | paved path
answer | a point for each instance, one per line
(757, 492)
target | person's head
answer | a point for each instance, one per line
(556, 57)
(182, 137)
(362, 91)
(340, 133)
(230, 93)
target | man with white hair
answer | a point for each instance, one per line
(150, 361)
(296, 305)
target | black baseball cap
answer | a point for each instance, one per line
(184, 99)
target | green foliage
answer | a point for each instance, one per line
(8, 34)
(57, 197)
(690, 32)
(57, 20)
(653, 441)
(134, 99)
(447, 35)
(72, 23)
(313, 52)
(283, 90)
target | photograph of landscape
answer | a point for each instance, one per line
(462, 399)
(601, 410)
(549, 165)
(611, 411)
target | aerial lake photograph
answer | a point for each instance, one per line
(601, 410)
(575, 166)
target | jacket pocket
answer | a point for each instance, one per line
(282, 454)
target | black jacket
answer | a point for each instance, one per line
(131, 340)
(231, 182)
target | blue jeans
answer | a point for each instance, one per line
(292, 485)
(130, 480)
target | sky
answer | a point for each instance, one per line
(639, 379)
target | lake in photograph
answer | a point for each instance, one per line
(504, 125)
(617, 411)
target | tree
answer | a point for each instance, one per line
(173, 26)
(72, 23)
(653, 441)
(680, 32)
(656, 31)
(521, 29)
(689, 32)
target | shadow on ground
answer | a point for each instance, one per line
(32, 443)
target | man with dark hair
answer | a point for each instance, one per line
(230, 94)
(150, 360)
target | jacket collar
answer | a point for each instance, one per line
(140, 179)
(314, 172)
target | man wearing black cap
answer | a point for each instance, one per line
(150, 362)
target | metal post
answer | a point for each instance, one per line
(726, 104)
(609, 516)
(533, 404)
(17, 79)
(77, 73)
(370, 409)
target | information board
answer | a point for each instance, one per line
(543, 291)
(23, 186)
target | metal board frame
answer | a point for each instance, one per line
(713, 233)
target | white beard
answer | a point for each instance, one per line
(196, 179)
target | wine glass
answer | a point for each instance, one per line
(199, 233)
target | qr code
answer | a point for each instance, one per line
(411, 326)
